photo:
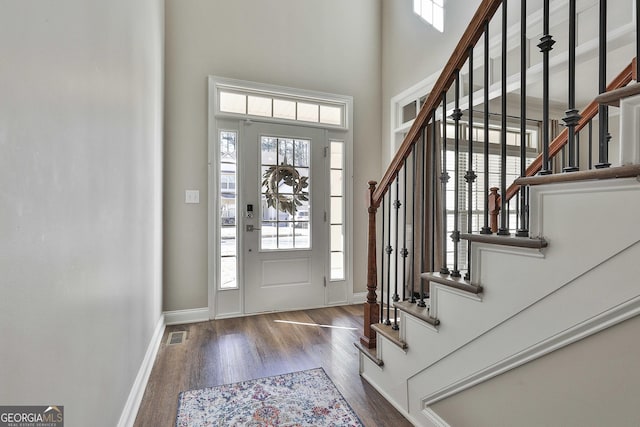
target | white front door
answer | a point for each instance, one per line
(284, 226)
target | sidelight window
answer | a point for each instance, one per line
(228, 207)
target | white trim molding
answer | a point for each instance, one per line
(580, 331)
(434, 418)
(180, 317)
(130, 411)
(230, 302)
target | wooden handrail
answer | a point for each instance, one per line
(591, 110)
(627, 171)
(474, 31)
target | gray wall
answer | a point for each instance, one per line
(594, 382)
(80, 201)
(412, 50)
(329, 46)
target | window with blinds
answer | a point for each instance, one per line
(479, 191)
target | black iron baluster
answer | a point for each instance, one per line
(423, 210)
(405, 252)
(470, 176)
(396, 297)
(545, 45)
(444, 178)
(382, 250)
(455, 235)
(523, 229)
(486, 229)
(590, 144)
(389, 252)
(413, 222)
(433, 187)
(578, 150)
(603, 110)
(572, 116)
(504, 228)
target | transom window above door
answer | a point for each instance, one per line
(232, 100)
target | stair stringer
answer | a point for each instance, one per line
(565, 316)
(465, 321)
(576, 265)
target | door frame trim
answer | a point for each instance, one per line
(213, 118)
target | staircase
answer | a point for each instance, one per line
(533, 301)
(461, 302)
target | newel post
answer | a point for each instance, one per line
(371, 307)
(494, 208)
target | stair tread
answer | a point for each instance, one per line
(613, 97)
(520, 242)
(391, 334)
(419, 312)
(370, 353)
(454, 282)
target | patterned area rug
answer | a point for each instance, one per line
(305, 398)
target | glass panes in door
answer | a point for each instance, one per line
(285, 165)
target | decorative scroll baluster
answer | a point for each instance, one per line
(470, 176)
(444, 178)
(545, 45)
(404, 252)
(523, 229)
(572, 116)
(504, 228)
(396, 297)
(371, 307)
(455, 235)
(603, 110)
(389, 250)
(486, 229)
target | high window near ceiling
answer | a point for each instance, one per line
(431, 11)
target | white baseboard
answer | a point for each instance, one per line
(231, 315)
(388, 397)
(358, 297)
(128, 416)
(179, 317)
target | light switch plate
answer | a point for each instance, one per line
(192, 196)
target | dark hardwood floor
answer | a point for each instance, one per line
(231, 350)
